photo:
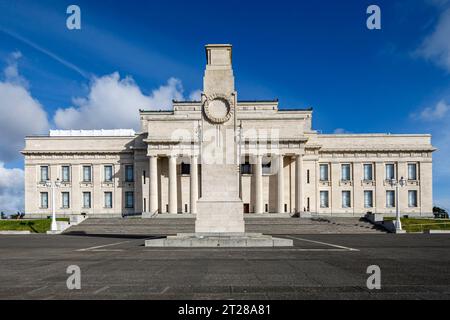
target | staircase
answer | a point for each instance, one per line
(267, 225)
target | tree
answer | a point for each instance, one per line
(440, 212)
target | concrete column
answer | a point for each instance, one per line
(258, 184)
(173, 208)
(153, 177)
(194, 184)
(280, 186)
(299, 183)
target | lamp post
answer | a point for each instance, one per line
(397, 184)
(54, 185)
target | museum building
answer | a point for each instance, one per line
(283, 164)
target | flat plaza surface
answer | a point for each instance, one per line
(412, 266)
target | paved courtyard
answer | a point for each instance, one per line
(318, 266)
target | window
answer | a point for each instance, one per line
(346, 199)
(44, 200)
(86, 200)
(108, 173)
(267, 207)
(185, 207)
(324, 199)
(324, 172)
(144, 176)
(307, 176)
(345, 172)
(129, 174)
(266, 167)
(129, 199)
(185, 168)
(44, 173)
(412, 198)
(246, 168)
(390, 171)
(65, 200)
(368, 172)
(390, 199)
(108, 199)
(368, 199)
(285, 207)
(412, 171)
(87, 174)
(65, 174)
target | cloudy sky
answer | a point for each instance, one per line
(131, 55)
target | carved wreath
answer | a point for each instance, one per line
(228, 104)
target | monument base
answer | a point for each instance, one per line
(219, 216)
(214, 240)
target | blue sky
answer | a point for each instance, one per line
(305, 53)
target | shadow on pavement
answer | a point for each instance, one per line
(117, 236)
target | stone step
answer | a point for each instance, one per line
(260, 225)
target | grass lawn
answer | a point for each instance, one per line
(36, 226)
(419, 225)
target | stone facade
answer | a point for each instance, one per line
(285, 165)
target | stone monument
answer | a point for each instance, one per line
(219, 208)
(220, 218)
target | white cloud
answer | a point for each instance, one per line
(340, 131)
(11, 71)
(438, 112)
(436, 47)
(21, 115)
(113, 102)
(11, 189)
(195, 95)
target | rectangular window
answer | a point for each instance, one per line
(108, 199)
(368, 172)
(345, 172)
(44, 173)
(129, 173)
(412, 198)
(246, 168)
(86, 200)
(87, 174)
(324, 172)
(412, 171)
(390, 199)
(368, 199)
(129, 199)
(390, 171)
(307, 176)
(65, 200)
(324, 199)
(65, 174)
(108, 173)
(266, 168)
(267, 207)
(185, 168)
(44, 200)
(346, 201)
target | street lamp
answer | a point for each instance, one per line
(397, 184)
(57, 184)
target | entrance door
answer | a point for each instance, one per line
(246, 207)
